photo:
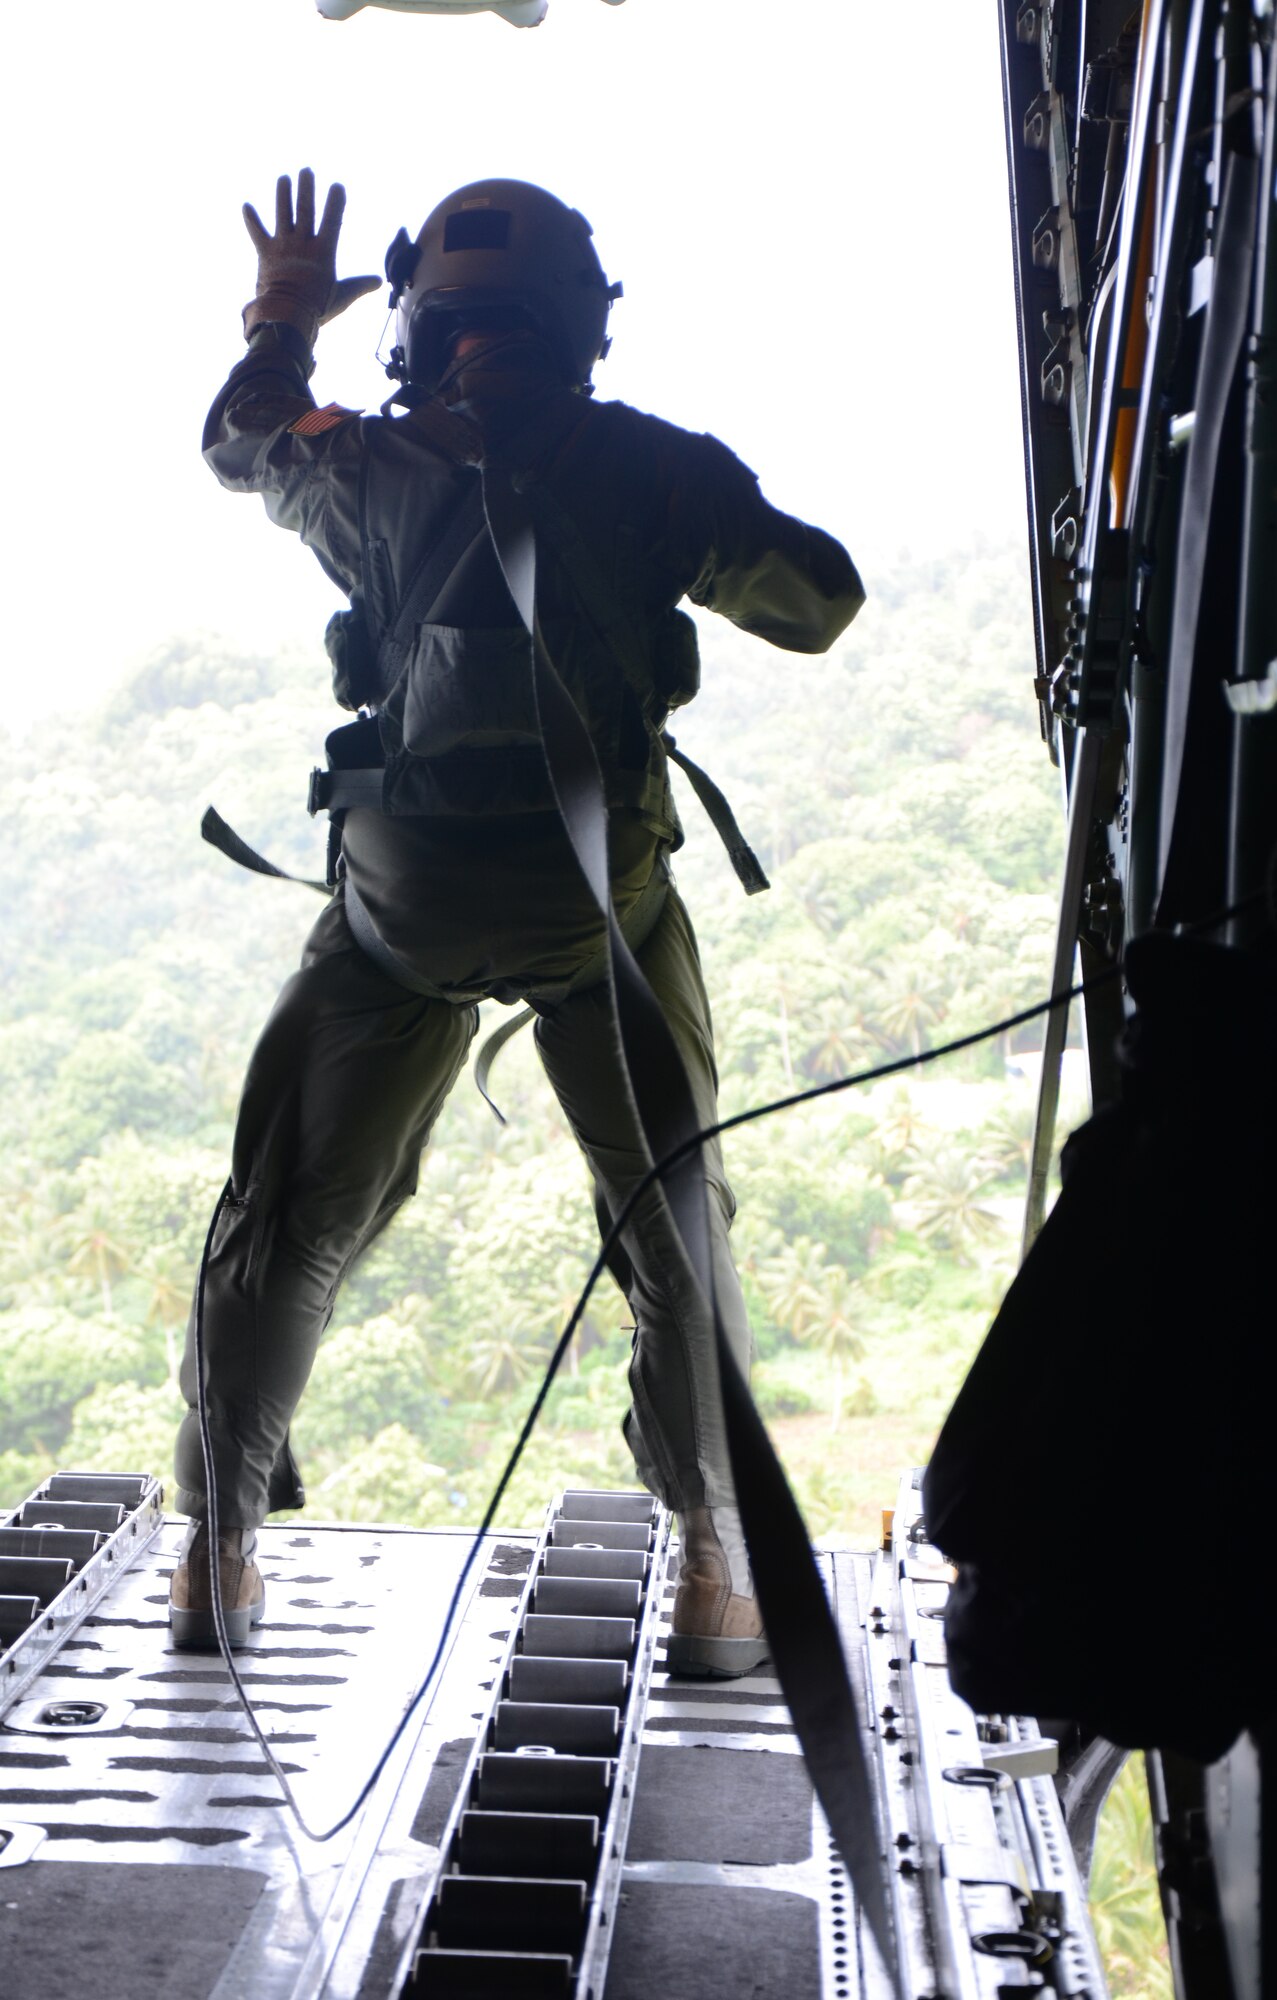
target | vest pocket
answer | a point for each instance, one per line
(467, 688)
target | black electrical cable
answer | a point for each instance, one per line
(837, 1084)
(661, 1167)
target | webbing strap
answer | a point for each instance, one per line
(338, 791)
(373, 946)
(636, 927)
(491, 1049)
(805, 1645)
(640, 920)
(218, 834)
(608, 616)
(722, 819)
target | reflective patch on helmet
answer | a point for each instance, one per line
(316, 421)
(477, 229)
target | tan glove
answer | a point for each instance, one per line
(297, 267)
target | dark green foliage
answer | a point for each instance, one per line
(812, 1196)
(106, 1084)
(898, 796)
(50, 1359)
(778, 1395)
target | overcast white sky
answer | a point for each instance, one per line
(805, 200)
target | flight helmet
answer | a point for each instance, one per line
(496, 254)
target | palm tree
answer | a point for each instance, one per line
(902, 1282)
(94, 1251)
(900, 1129)
(821, 905)
(168, 1281)
(28, 1222)
(26, 1256)
(1006, 1139)
(790, 1281)
(833, 1329)
(787, 994)
(842, 1042)
(907, 1011)
(556, 1302)
(1002, 988)
(501, 1360)
(945, 1187)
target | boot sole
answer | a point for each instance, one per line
(194, 1631)
(714, 1659)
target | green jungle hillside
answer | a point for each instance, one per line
(910, 821)
(903, 804)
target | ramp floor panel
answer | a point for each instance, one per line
(730, 1882)
(693, 1941)
(151, 1857)
(165, 1862)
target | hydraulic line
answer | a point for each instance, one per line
(1254, 695)
(1135, 346)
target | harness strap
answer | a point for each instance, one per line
(637, 926)
(371, 943)
(491, 1049)
(218, 834)
(339, 791)
(722, 819)
(616, 629)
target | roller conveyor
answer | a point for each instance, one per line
(60, 1552)
(526, 1899)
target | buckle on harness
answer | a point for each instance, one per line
(321, 786)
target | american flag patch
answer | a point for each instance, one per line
(316, 421)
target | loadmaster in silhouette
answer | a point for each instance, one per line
(454, 879)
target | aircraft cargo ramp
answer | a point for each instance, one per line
(559, 1817)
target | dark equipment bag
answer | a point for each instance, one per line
(1103, 1479)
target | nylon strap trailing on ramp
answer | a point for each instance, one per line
(805, 1644)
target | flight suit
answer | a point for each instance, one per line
(464, 871)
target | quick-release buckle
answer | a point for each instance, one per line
(321, 788)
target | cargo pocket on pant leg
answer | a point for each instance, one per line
(285, 1488)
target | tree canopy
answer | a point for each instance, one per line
(898, 797)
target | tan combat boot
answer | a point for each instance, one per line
(717, 1626)
(190, 1595)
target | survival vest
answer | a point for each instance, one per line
(451, 726)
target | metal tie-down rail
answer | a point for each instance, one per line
(526, 1896)
(985, 1888)
(60, 1552)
